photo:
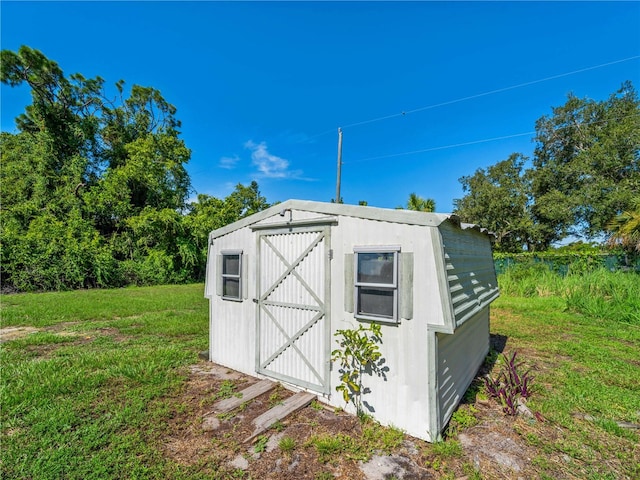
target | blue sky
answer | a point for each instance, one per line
(261, 88)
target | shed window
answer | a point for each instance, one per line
(232, 275)
(376, 283)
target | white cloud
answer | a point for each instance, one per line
(270, 166)
(229, 162)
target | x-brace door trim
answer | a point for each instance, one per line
(317, 304)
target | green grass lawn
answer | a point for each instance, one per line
(90, 393)
(88, 396)
(587, 381)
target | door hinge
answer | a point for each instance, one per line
(331, 254)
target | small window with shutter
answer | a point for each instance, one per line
(231, 275)
(376, 283)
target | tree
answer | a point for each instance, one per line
(62, 107)
(586, 167)
(210, 213)
(625, 228)
(585, 171)
(107, 174)
(419, 204)
(498, 199)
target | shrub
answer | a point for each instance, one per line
(510, 385)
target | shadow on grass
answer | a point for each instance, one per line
(497, 342)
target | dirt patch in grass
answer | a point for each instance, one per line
(345, 453)
(13, 333)
(68, 336)
(324, 443)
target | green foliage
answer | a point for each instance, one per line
(585, 167)
(275, 398)
(324, 476)
(604, 294)
(464, 417)
(588, 366)
(261, 444)
(359, 352)
(227, 389)
(625, 228)
(95, 189)
(287, 444)
(498, 199)
(576, 258)
(447, 449)
(104, 384)
(585, 172)
(375, 437)
(528, 279)
(328, 446)
(419, 204)
(278, 426)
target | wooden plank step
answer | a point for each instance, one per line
(271, 416)
(249, 393)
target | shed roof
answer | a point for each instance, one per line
(408, 217)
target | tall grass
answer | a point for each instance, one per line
(598, 293)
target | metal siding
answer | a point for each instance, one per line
(402, 397)
(292, 307)
(470, 271)
(460, 355)
(209, 280)
(232, 323)
(310, 210)
(410, 396)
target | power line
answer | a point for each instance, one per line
(499, 90)
(473, 142)
(443, 147)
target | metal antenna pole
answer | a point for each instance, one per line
(339, 165)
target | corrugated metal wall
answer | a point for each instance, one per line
(232, 326)
(470, 271)
(292, 343)
(297, 349)
(460, 355)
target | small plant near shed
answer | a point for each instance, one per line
(278, 426)
(375, 437)
(227, 390)
(328, 446)
(275, 398)
(359, 352)
(464, 417)
(261, 444)
(447, 449)
(510, 385)
(287, 445)
(324, 476)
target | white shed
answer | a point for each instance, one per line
(283, 281)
